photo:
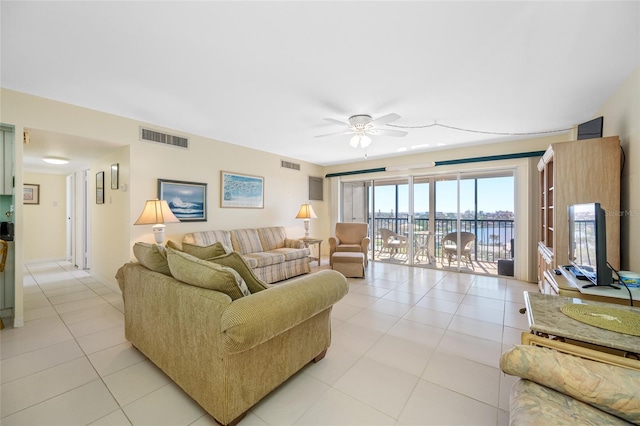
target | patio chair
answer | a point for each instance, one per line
(450, 246)
(392, 242)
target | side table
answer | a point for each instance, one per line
(311, 241)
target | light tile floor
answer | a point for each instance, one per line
(410, 346)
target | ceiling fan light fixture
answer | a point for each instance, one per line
(360, 140)
(55, 160)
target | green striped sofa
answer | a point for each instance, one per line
(272, 256)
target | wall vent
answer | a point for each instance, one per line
(289, 165)
(163, 138)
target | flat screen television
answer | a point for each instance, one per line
(588, 244)
(591, 129)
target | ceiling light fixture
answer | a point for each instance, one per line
(55, 160)
(360, 140)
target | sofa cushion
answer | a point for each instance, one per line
(206, 238)
(292, 253)
(206, 252)
(263, 259)
(613, 389)
(151, 257)
(272, 237)
(191, 270)
(246, 241)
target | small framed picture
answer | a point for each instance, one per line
(114, 176)
(31, 193)
(100, 188)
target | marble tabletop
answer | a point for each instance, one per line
(546, 317)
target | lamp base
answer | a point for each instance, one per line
(306, 228)
(158, 233)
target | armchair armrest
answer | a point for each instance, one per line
(365, 244)
(254, 319)
(333, 243)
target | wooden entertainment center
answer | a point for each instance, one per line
(582, 171)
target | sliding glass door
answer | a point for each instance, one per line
(455, 221)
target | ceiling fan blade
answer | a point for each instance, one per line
(386, 119)
(386, 132)
(331, 120)
(346, 132)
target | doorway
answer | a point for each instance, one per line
(78, 220)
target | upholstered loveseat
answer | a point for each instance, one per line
(219, 333)
(272, 256)
(561, 389)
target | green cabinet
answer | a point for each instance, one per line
(7, 283)
(6, 160)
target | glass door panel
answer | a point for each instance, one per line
(390, 218)
(423, 230)
(495, 222)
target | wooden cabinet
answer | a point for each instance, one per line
(584, 171)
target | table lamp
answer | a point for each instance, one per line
(157, 213)
(306, 213)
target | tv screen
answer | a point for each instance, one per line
(591, 129)
(588, 244)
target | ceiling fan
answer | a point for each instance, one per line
(362, 125)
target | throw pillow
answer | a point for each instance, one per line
(191, 270)
(152, 257)
(173, 245)
(204, 252)
(235, 261)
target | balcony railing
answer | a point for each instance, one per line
(494, 237)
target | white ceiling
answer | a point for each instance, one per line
(266, 74)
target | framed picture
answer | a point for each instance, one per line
(241, 191)
(114, 176)
(187, 200)
(31, 193)
(100, 188)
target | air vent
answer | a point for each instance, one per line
(289, 165)
(163, 138)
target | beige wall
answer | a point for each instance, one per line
(621, 115)
(46, 222)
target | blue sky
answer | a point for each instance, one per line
(493, 194)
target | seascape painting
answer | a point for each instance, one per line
(187, 200)
(241, 191)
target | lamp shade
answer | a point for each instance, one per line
(156, 211)
(306, 212)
